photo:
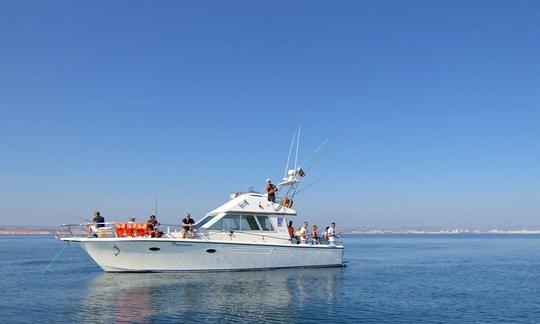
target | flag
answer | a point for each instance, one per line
(301, 173)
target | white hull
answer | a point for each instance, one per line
(164, 254)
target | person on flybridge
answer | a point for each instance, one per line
(271, 190)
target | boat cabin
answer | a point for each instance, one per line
(247, 217)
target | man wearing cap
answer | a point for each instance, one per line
(271, 190)
(187, 226)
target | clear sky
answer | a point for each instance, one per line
(433, 107)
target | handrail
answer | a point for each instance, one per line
(90, 223)
(256, 234)
(202, 233)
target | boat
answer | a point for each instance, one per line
(247, 232)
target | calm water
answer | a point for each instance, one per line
(390, 279)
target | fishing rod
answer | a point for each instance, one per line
(342, 223)
(74, 216)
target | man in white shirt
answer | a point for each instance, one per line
(331, 233)
(303, 233)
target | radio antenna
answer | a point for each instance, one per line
(155, 207)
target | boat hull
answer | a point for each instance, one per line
(163, 255)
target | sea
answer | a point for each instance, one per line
(388, 279)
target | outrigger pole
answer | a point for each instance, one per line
(289, 157)
(297, 146)
(292, 177)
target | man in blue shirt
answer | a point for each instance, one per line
(98, 219)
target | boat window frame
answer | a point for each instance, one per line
(269, 221)
(259, 227)
(202, 222)
(237, 216)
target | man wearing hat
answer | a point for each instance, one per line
(271, 190)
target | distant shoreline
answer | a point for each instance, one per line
(345, 232)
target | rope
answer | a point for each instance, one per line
(54, 259)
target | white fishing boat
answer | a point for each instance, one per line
(247, 232)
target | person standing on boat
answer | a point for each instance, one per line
(304, 233)
(314, 235)
(331, 233)
(187, 226)
(97, 222)
(271, 190)
(290, 229)
(324, 236)
(98, 219)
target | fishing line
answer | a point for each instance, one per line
(54, 259)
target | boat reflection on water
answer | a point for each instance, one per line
(254, 295)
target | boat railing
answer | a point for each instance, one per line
(206, 236)
(85, 230)
(130, 229)
(113, 229)
(231, 234)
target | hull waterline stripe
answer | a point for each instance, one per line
(342, 265)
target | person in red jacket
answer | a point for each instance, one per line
(290, 229)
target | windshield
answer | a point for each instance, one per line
(204, 221)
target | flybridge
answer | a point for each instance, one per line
(252, 203)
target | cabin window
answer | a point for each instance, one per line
(227, 223)
(248, 223)
(265, 223)
(204, 221)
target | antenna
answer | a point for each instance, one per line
(297, 146)
(289, 158)
(155, 207)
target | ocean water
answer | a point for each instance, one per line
(389, 279)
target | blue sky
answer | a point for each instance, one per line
(433, 108)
